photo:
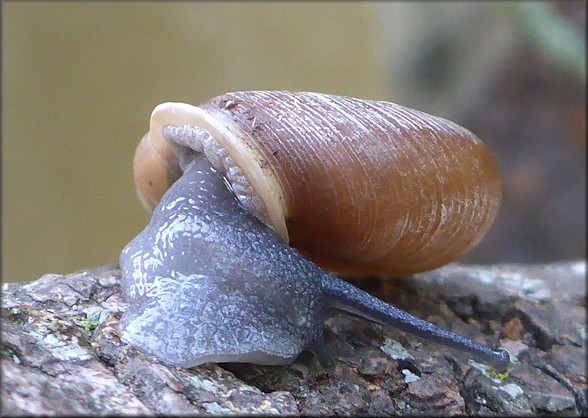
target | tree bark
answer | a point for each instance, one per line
(62, 353)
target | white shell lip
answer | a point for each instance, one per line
(227, 133)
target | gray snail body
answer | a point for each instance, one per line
(208, 281)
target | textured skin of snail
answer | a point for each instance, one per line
(209, 282)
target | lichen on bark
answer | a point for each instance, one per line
(62, 353)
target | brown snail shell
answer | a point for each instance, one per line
(357, 186)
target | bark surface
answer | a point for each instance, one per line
(62, 353)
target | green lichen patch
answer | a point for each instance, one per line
(494, 374)
(88, 323)
(490, 372)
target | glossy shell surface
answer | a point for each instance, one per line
(357, 186)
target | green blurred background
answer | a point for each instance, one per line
(79, 81)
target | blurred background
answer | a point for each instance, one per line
(80, 79)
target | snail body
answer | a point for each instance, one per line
(229, 297)
(209, 281)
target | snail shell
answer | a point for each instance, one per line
(357, 186)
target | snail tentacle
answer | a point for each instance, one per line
(348, 298)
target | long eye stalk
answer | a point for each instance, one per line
(343, 296)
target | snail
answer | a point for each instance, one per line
(258, 197)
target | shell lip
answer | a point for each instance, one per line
(263, 181)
